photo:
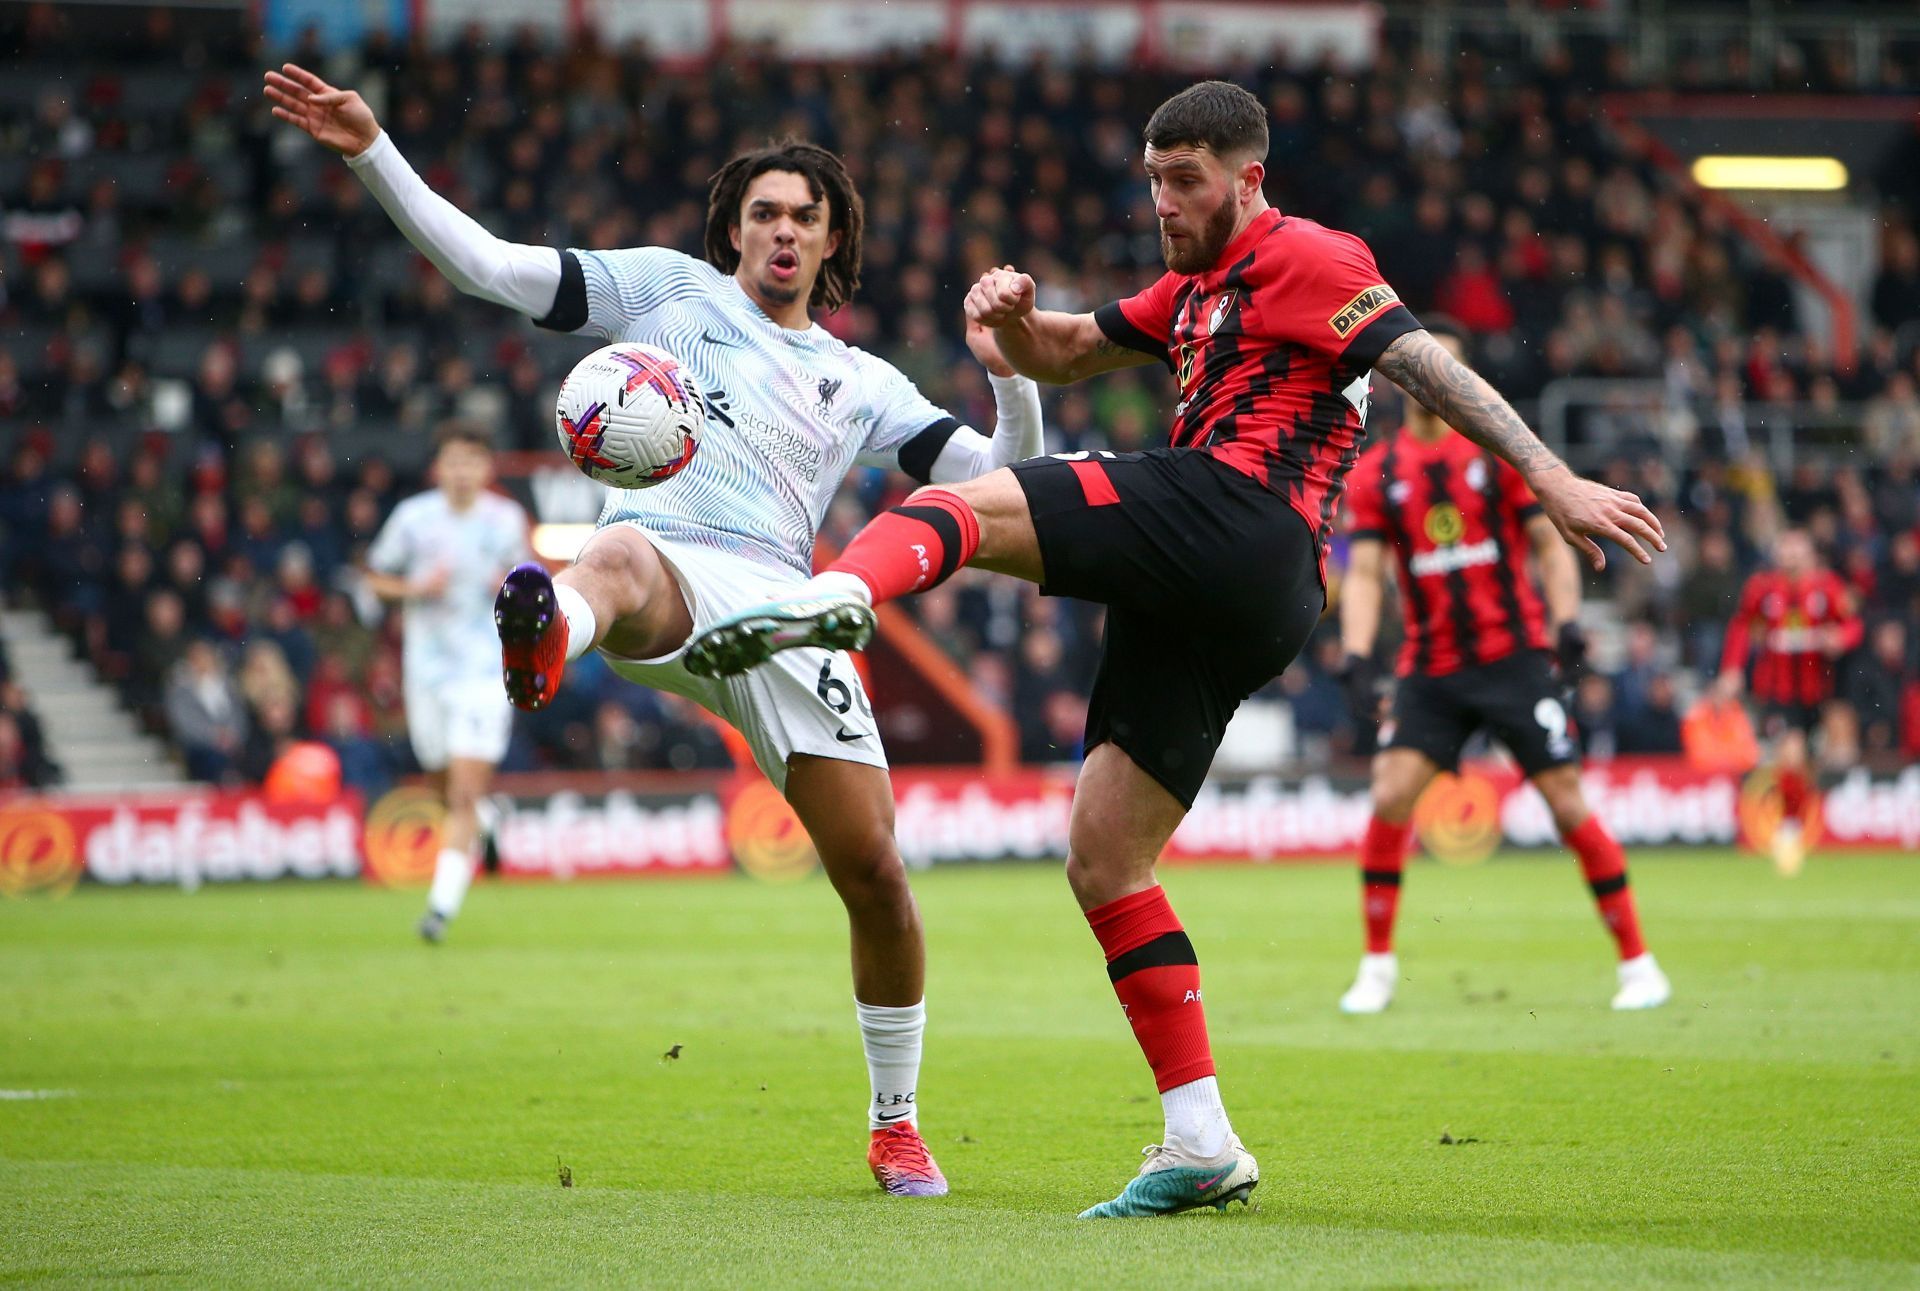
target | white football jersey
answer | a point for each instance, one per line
(788, 412)
(451, 638)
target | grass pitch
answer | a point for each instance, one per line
(279, 1085)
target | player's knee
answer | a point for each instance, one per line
(869, 875)
(1565, 802)
(1099, 875)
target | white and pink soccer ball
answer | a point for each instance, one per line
(630, 415)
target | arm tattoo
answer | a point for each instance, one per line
(1459, 396)
(1106, 345)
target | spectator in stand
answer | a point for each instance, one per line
(206, 714)
(1653, 727)
(1896, 289)
(1874, 685)
(1594, 718)
(24, 761)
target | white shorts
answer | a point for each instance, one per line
(800, 701)
(470, 718)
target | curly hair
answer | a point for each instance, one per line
(826, 178)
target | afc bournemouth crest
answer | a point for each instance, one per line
(1222, 310)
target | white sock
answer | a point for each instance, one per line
(834, 582)
(452, 876)
(891, 1038)
(579, 616)
(1195, 1117)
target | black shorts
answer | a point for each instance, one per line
(1212, 585)
(1518, 699)
(1776, 719)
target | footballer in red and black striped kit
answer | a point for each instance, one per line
(1207, 552)
(1796, 619)
(1460, 525)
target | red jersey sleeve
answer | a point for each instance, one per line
(1366, 513)
(1143, 321)
(1336, 302)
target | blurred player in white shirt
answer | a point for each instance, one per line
(791, 410)
(441, 554)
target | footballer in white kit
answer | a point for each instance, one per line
(441, 555)
(792, 409)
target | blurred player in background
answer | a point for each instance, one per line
(1460, 523)
(796, 409)
(441, 554)
(1797, 619)
(1207, 552)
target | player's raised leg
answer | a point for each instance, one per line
(917, 545)
(1399, 777)
(1642, 983)
(1122, 818)
(618, 592)
(847, 808)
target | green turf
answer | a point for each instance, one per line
(279, 1086)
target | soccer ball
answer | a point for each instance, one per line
(630, 416)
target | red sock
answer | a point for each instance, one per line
(1157, 978)
(1793, 793)
(915, 546)
(1383, 857)
(1605, 866)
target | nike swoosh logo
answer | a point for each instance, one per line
(896, 1116)
(1206, 1184)
(711, 339)
(846, 736)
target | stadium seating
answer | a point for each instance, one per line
(1490, 189)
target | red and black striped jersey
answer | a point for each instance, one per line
(1794, 662)
(1272, 348)
(1456, 518)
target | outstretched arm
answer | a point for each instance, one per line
(1042, 343)
(521, 277)
(1580, 509)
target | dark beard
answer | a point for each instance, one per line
(1201, 252)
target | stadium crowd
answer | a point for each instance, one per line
(220, 365)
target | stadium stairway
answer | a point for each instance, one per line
(97, 742)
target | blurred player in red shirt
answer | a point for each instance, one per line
(1797, 619)
(1460, 524)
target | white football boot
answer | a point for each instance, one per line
(1372, 988)
(1642, 984)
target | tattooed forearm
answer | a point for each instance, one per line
(1457, 394)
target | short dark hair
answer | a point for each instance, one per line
(826, 177)
(1217, 115)
(458, 430)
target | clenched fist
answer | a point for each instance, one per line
(1001, 296)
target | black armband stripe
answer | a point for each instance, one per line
(1365, 349)
(1115, 325)
(1367, 535)
(1380, 878)
(569, 312)
(941, 521)
(1169, 948)
(1531, 510)
(1607, 887)
(918, 454)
